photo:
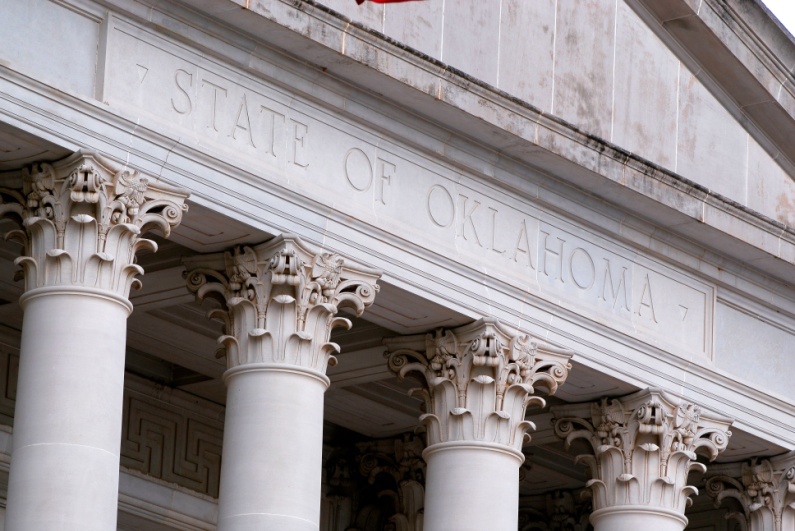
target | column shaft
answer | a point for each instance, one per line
(479, 381)
(67, 433)
(281, 302)
(272, 454)
(82, 221)
(472, 487)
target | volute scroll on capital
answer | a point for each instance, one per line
(83, 218)
(763, 488)
(280, 300)
(478, 380)
(644, 445)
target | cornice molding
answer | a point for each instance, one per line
(134, 137)
(361, 46)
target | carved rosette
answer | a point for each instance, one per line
(280, 301)
(478, 380)
(82, 220)
(764, 489)
(644, 445)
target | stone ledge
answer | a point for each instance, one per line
(516, 130)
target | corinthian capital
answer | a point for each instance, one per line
(765, 490)
(280, 300)
(478, 380)
(82, 220)
(644, 445)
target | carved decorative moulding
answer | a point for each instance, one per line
(764, 490)
(478, 380)
(83, 218)
(644, 445)
(280, 300)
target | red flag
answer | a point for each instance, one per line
(360, 2)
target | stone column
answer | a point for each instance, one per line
(644, 445)
(280, 302)
(764, 489)
(83, 218)
(478, 381)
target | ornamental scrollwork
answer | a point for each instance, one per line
(82, 220)
(478, 380)
(279, 300)
(644, 445)
(764, 489)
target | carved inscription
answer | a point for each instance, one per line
(242, 118)
(362, 175)
(551, 256)
(342, 164)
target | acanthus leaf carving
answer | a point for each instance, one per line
(478, 380)
(280, 300)
(82, 219)
(644, 445)
(764, 490)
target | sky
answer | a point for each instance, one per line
(784, 11)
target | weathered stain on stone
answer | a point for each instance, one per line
(785, 210)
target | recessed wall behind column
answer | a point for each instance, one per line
(596, 64)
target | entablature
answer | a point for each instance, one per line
(495, 223)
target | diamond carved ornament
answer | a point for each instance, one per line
(644, 446)
(478, 380)
(280, 300)
(82, 220)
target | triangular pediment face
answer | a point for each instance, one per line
(599, 66)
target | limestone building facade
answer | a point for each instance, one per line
(443, 265)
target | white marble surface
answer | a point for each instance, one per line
(599, 66)
(67, 43)
(269, 187)
(68, 415)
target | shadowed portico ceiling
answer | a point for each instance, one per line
(18, 148)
